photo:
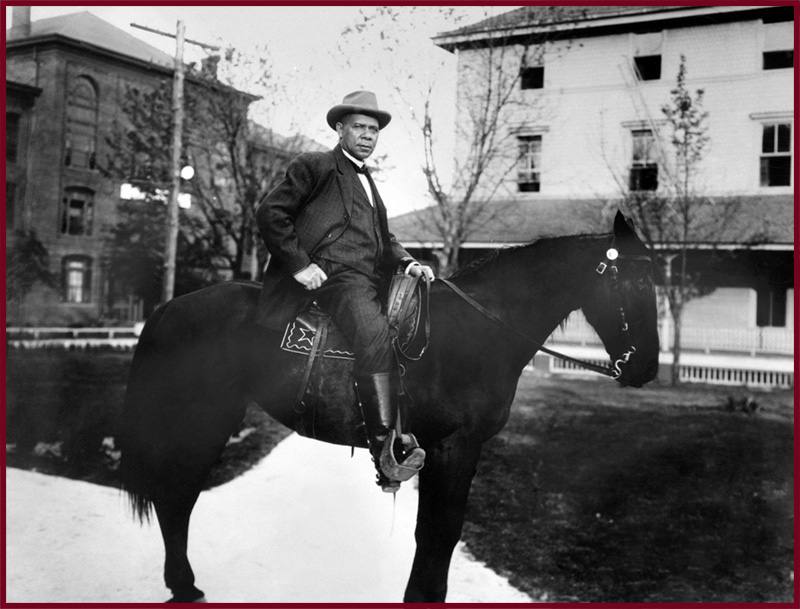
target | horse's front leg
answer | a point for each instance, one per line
(444, 485)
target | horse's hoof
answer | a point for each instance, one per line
(192, 595)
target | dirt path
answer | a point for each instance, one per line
(305, 525)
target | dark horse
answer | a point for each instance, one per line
(201, 360)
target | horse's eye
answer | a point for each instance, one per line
(641, 286)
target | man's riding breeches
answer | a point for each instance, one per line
(353, 302)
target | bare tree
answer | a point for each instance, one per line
(239, 159)
(236, 161)
(464, 187)
(678, 216)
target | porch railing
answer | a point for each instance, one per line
(73, 338)
(749, 341)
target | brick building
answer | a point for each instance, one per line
(66, 81)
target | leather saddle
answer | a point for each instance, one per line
(314, 335)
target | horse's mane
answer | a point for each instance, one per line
(495, 255)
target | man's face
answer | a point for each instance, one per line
(358, 134)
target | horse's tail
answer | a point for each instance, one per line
(137, 477)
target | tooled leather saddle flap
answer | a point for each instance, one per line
(404, 312)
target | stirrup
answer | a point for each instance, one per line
(387, 485)
(412, 459)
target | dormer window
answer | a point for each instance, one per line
(532, 77)
(647, 55)
(778, 46)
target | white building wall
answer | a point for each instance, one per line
(591, 100)
(724, 308)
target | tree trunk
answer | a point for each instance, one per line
(676, 349)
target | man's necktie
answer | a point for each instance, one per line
(363, 170)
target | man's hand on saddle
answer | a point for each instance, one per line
(311, 277)
(416, 269)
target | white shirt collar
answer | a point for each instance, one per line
(358, 163)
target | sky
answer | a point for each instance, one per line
(305, 45)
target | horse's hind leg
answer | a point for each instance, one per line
(444, 485)
(173, 518)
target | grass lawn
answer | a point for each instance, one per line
(64, 410)
(595, 493)
(591, 493)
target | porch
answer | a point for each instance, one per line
(755, 357)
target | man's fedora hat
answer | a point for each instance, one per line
(359, 102)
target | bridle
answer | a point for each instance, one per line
(609, 264)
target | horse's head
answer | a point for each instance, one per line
(621, 306)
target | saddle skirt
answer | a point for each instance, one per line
(314, 334)
(304, 336)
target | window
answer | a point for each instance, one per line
(778, 46)
(76, 272)
(771, 308)
(532, 78)
(644, 168)
(530, 162)
(77, 211)
(647, 55)
(648, 67)
(81, 124)
(12, 136)
(776, 155)
(11, 196)
(777, 60)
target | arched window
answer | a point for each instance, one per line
(77, 211)
(76, 279)
(81, 141)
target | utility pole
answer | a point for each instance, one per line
(171, 243)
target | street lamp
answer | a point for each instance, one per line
(129, 191)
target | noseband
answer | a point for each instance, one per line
(615, 370)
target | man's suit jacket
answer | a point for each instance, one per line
(308, 210)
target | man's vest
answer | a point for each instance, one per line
(360, 245)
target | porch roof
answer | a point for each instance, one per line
(761, 222)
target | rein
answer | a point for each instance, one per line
(615, 370)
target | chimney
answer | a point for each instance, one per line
(209, 66)
(21, 18)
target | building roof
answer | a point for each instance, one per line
(766, 221)
(582, 20)
(537, 15)
(90, 30)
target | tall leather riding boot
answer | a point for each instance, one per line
(375, 393)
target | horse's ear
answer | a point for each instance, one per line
(620, 223)
(623, 227)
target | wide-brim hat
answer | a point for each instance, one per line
(359, 102)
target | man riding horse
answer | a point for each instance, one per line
(326, 229)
